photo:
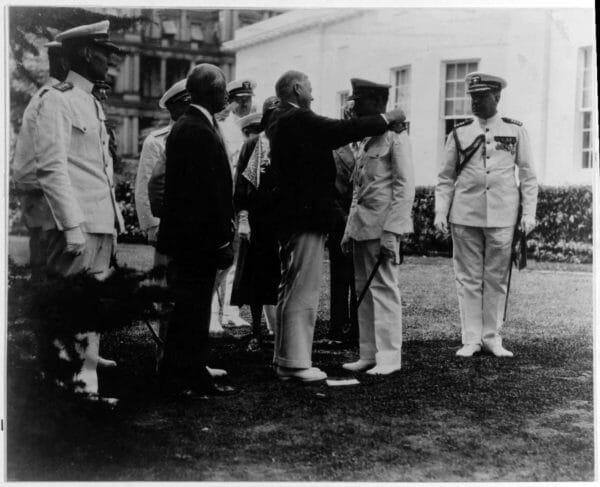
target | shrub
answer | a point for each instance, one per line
(563, 234)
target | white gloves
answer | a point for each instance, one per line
(243, 225)
(390, 246)
(527, 225)
(75, 241)
(441, 223)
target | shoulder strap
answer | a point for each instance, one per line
(512, 120)
(465, 155)
(64, 86)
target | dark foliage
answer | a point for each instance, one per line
(58, 308)
(563, 233)
(29, 27)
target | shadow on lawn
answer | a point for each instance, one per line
(440, 418)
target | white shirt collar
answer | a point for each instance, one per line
(80, 82)
(204, 111)
(293, 104)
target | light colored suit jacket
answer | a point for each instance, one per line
(153, 155)
(384, 188)
(34, 206)
(486, 193)
(73, 162)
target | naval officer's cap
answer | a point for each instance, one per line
(362, 88)
(174, 93)
(241, 87)
(91, 34)
(478, 82)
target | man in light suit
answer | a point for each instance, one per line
(75, 171)
(478, 188)
(301, 154)
(176, 100)
(34, 208)
(380, 215)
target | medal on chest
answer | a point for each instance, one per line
(506, 143)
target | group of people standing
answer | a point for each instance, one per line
(222, 184)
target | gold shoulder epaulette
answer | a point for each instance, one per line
(464, 123)
(512, 120)
(64, 86)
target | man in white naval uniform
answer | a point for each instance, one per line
(75, 171)
(176, 100)
(240, 93)
(34, 207)
(478, 193)
(380, 215)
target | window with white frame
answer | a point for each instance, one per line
(587, 106)
(342, 99)
(401, 89)
(400, 96)
(457, 103)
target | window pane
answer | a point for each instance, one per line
(587, 118)
(472, 67)
(586, 139)
(460, 89)
(459, 107)
(450, 71)
(449, 108)
(196, 32)
(462, 71)
(586, 159)
(586, 58)
(449, 90)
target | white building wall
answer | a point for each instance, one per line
(531, 48)
(570, 31)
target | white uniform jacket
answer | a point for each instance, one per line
(384, 188)
(233, 137)
(486, 193)
(33, 203)
(73, 163)
(153, 154)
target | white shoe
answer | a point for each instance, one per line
(383, 369)
(359, 365)
(216, 372)
(235, 322)
(468, 350)
(215, 327)
(304, 375)
(107, 364)
(499, 351)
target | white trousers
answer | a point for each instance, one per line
(481, 259)
(298, 300)
(380, 312)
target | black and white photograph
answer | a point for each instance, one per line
(299, 242)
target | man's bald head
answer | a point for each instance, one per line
(206, 85)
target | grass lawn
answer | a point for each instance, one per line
(524, 419)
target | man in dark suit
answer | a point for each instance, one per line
(196, 230)
(301, 154)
